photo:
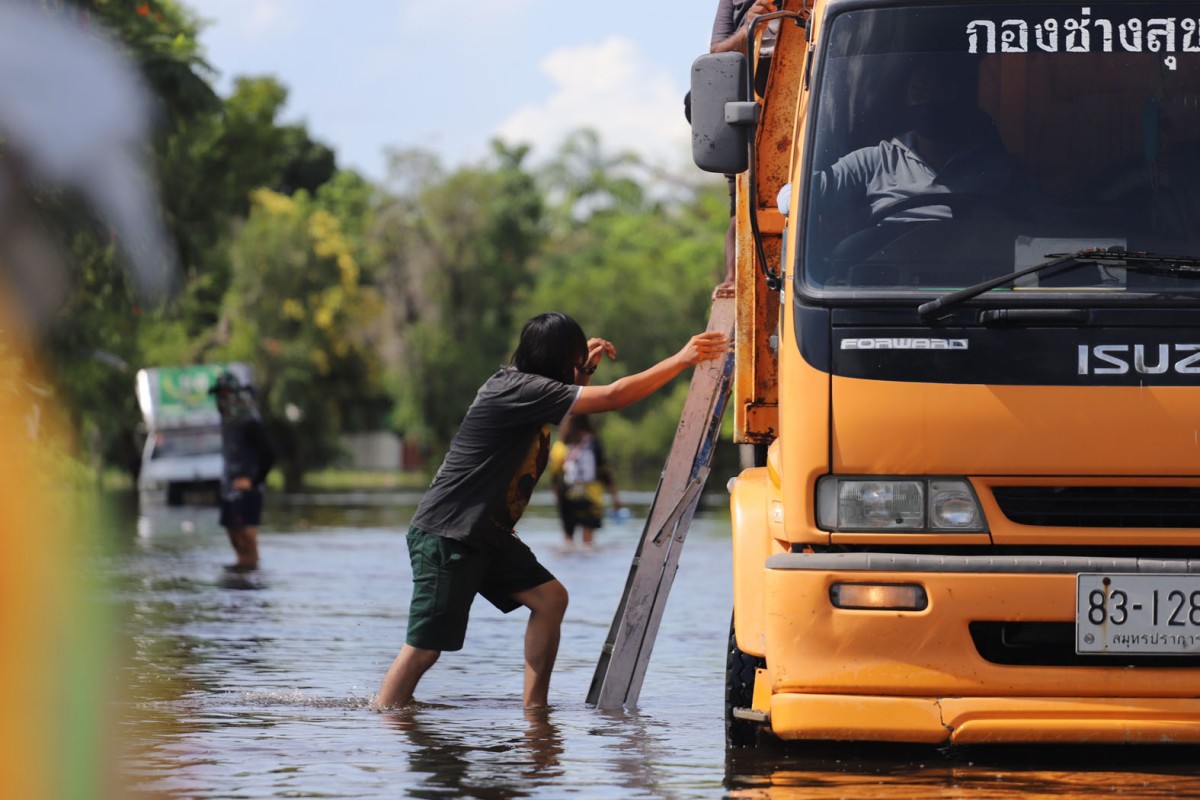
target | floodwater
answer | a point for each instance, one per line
(261, 687)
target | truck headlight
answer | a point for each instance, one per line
(897, 504)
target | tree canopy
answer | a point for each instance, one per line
(365, 306)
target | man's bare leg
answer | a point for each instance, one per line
(401, 679)
(547, 604)
(245, 545)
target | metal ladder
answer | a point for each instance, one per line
(626, 652)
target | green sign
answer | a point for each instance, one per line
(183, 391)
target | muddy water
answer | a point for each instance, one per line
(261, 688)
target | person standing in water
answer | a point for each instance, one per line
(248, 458)
(580, 476)
(462, 539)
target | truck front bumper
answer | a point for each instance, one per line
(923, 676)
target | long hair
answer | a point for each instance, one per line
(551, 345)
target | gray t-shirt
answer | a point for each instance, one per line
(496, 458)
(873, 178)
(730, 14)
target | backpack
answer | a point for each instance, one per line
(579, 466)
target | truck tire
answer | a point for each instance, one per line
(739, 693)
(175, 494)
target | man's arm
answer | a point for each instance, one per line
(730, 34)
(631, 388)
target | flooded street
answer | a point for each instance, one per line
(261, 688)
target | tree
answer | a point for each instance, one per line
(298, 310)
(456, 254)
(93, 335)
(209, 169)
(636, 270)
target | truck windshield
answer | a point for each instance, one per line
(952, 144)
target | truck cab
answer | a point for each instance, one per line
(968, 290)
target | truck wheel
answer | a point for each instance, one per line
(739, 693)
(174, 494)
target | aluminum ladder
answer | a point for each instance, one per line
(626, 652)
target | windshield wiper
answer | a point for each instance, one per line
(1180, 266)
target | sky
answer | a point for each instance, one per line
(369, 75)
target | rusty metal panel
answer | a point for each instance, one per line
(756, 381)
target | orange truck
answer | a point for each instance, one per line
(968, 350)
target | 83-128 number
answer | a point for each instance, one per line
(1137, 613)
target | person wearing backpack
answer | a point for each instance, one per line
(580, 475)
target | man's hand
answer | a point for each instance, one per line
(737, 40)
(242, 484)
(597, 349)
(704, 346)
(759, 8)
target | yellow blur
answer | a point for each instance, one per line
(53, 644)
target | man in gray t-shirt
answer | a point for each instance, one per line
(951, 147)
(501, 450)
(462, 540)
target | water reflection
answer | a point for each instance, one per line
(880, 772)
(452, 762)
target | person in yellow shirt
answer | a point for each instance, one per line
(580, 476)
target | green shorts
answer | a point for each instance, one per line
(447, 575)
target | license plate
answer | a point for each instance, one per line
(1143, 613)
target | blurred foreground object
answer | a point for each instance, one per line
(74, 117)
(74, 121)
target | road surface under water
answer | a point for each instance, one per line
(262, 687)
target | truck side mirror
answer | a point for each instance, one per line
(722, 117)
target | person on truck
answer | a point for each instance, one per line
(462, 539)
(248, 458)
(950, 146)
(730, 33)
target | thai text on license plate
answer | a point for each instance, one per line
(1137, 613)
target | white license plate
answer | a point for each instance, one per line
(1143, 613)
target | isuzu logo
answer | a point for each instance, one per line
(906, 343)
(1154, 359)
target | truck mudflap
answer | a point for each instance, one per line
(987, 650)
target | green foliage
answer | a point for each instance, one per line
(209, 169)
(160, 38)
(94, 334)
(640, 273)
(457, 252)
(296, 310)
(364, 306)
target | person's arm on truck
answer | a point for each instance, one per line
(730, 32)
(631, 388)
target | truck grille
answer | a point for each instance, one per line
(1101, 506)
(1052, 644)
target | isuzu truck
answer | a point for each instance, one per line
(968, 347)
